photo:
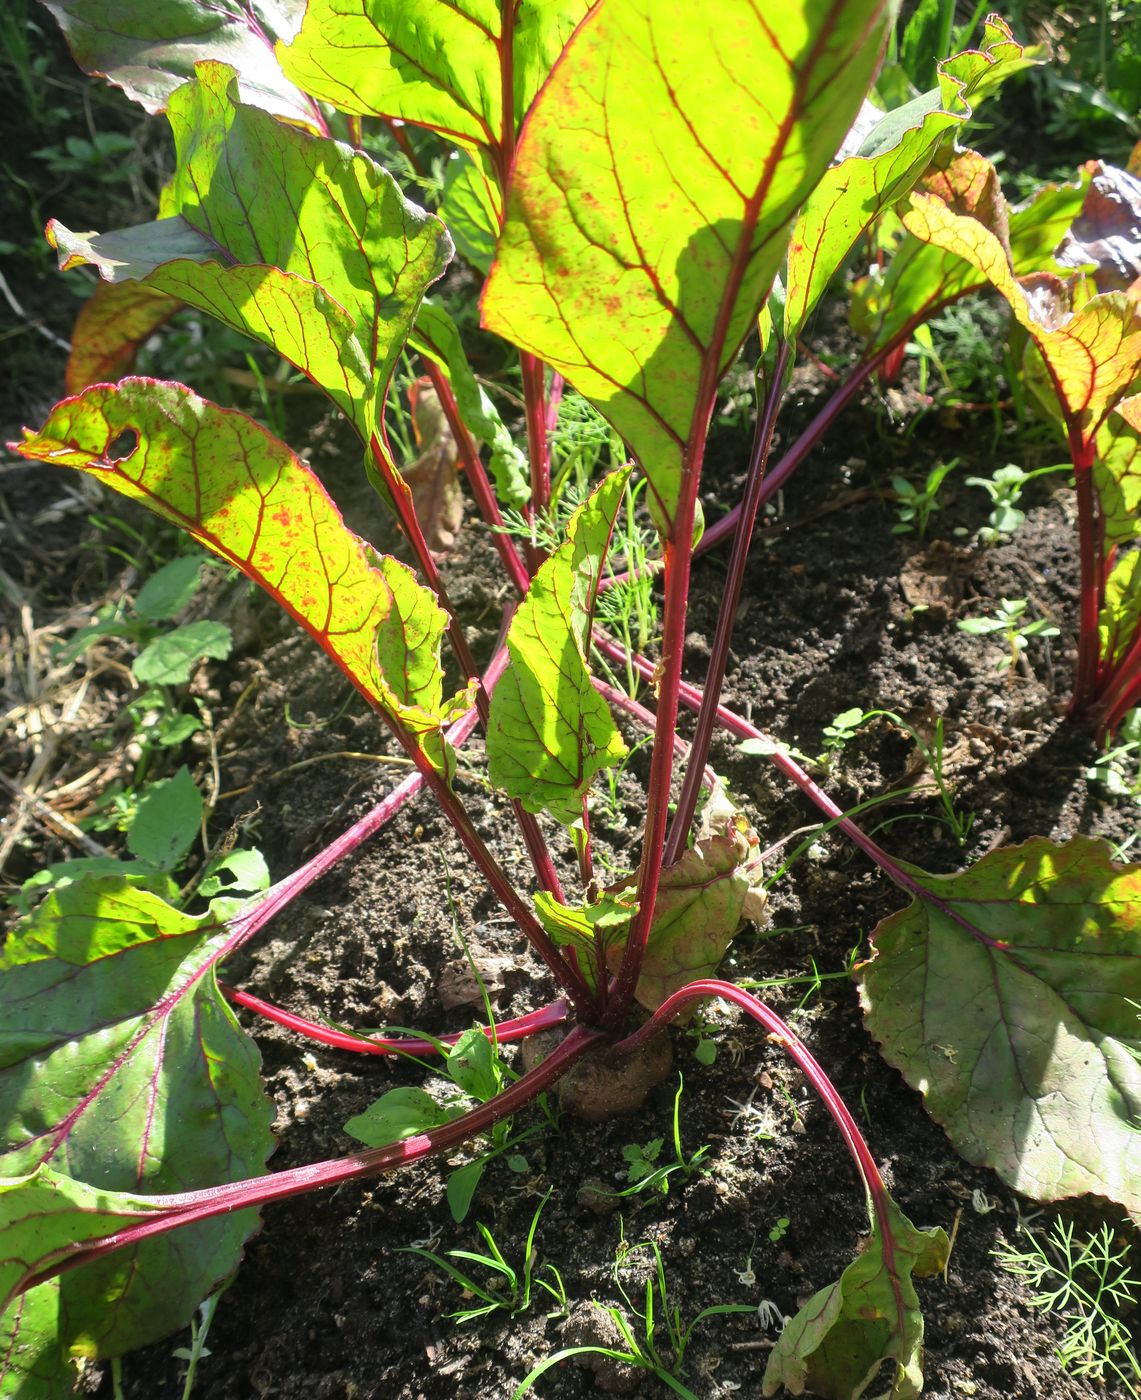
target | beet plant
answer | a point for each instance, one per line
(645, 188)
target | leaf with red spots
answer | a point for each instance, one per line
(123, 1071)
(1008, 996)
(295, 240)
(651, 195)
(243, 494)
(149, 47)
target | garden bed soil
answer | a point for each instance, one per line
(838, 611)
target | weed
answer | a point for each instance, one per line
(1006, 621)
(1087, 1283)
(1005, 491)
(915, 505)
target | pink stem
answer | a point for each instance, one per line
(502, 1033)
(172, 1212)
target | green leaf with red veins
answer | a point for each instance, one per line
(436, 65)
(838, 1343)
(551, 732)
(1093, 352)
(1117, 474)
(922, 277)
(328, 269)
(113, 323)
(1008, 996)
(243, 494)
(651, 192)
(896, 153)
(149, 47)
(124, 1071)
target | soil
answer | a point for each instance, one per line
(838, 611)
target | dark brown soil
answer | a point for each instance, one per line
(326, 1304)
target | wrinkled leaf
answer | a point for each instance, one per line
(1106, 235)
(297, 241)
(245, 496)
(1008, 995)
(923, 277)
(433, 478)
(123, 1068)
(842, 1338)
(1093, 352)
(890, 160)
(550, 730)
(647, 213)
(113, 323)
(586, 926)
(435, 65)
(149, 47)
(435, 335)
(703, 899)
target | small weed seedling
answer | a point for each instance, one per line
(1088, 1285)
(915, 505)
(1006, 621)
(644, 1170)
(509, 1289)
(1118, 770)
(629, 239)
(1005, 491)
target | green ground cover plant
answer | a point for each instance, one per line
(629, 261)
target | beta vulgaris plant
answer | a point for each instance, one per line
(645, 186)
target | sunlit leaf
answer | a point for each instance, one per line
(295, 240)
(1008, 996)
(244, 495)
(651, 193)
(149, 47)
(435, 65)
(888, 163)
(550, 730)
(1120, 619)
(1117, 476)
(472, 208)
(839, 1343)
(123, 1069)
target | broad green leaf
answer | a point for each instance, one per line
(44, 1216)
(703, 899)
(922, 277)
(245, 496)
(115, 320)
(550, 730)
(462, 1184)
(582, 927)
(472, 208)
(295, 240)
(167, 822)
(171, 658)
(149, 47)
(471, 1065)
(1093, 353)
(435, 65)
(123, 1069)
(889, 163)
(1117, 477)
(436, 336)
(839, 1342)
(647, 212)
(1008, 995)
